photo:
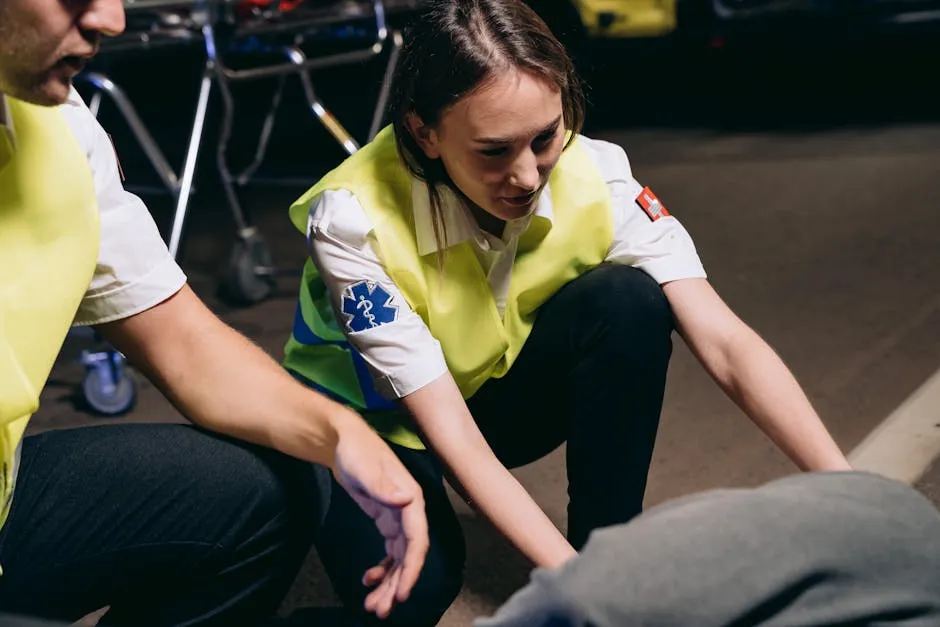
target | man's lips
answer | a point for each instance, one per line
(76, 62)
(73, 62)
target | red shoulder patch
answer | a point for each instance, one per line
(651, 205)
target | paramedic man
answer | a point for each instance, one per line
(484, 290)
(167, 524)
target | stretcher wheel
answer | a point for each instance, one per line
(107, 389)
(250, 275)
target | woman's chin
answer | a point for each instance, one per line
(507, 210)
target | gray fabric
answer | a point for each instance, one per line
(810, 550)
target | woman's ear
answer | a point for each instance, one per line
(424, 135)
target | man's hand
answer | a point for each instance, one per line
(367, 468)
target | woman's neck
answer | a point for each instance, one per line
(485, 220)
(488, 222)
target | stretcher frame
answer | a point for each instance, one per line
(212, 26)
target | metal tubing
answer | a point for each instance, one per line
(379, 116)
(326, 118)
(105, 85)
(189, 165)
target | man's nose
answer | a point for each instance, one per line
(103, 16)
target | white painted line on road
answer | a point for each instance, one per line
(908, 441)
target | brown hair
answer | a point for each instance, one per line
(452, 47)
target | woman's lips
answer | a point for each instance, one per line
(519, 201)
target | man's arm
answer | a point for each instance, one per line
(223, 382)
(218, 379)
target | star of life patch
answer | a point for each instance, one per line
(367, 305)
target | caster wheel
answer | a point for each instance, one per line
(105, 396)
(249, 277)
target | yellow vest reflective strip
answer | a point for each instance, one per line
(49, 236)
(457, 304)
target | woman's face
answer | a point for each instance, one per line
(500, 142)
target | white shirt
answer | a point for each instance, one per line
(5, 125)
(401, 353)
(135, 271)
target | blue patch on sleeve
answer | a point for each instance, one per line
(367, 305)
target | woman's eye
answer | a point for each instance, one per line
(543, 140)
(493, 152)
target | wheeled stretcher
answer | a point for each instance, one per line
(250, 33)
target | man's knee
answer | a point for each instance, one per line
(235, 491)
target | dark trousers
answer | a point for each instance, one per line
(165, 523)
(592, 373)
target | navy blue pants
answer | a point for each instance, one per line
(166, 524)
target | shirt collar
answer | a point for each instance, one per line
(8, 130)
(459, 225)
(74, 99)
(4, 112)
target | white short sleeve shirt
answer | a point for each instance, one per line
(135, 271)
(401, 353)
